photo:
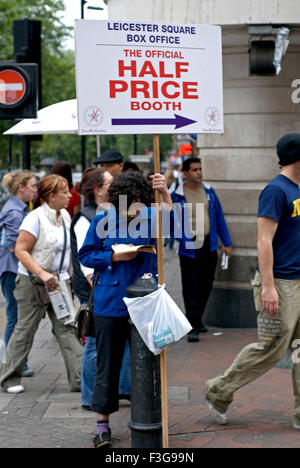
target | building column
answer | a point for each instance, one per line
(239, 164)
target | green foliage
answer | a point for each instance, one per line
(58, 72)
(58, 84)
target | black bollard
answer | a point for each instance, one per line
(145, 424)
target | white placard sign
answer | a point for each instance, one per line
(148, 78)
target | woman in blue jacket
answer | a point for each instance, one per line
(129, 221)
(22, 186)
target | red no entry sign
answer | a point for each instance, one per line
(13, 87)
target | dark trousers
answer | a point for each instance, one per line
(197, 281)
(111, 336)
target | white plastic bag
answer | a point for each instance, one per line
(158, 319)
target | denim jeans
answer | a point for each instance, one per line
(89, 366)
(8, 285)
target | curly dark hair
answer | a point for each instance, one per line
(134, 186)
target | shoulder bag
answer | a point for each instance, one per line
(85, 317)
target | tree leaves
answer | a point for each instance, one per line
(58, 84)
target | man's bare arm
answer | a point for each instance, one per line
(266, 231)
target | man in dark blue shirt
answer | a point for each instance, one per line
(276, 286)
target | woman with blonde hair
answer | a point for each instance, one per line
(22, 188)
(43, 248)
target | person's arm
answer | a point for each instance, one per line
(12, 222)
(266, 231)
(81, 228)
(159, 183)
(92, 255)
(222, 228)
(24, 246)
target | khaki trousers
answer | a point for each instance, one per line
(276, 335)
(30, 314)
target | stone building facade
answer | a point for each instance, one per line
(258, 111)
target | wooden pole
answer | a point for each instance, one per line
(98, 146)
(160, 264)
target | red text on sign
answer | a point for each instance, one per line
(155, 90)
(149, 70)
(162, 82)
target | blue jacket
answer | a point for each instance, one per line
(11, 218)
(116, 277)
(218, 226)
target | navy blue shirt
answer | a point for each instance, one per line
(280, 201)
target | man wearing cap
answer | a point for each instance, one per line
(276, 287)
(111, 161)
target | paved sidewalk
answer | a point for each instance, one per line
(48, 416)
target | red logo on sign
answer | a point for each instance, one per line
(12, 87)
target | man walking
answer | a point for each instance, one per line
(199, 241)
(276, 286)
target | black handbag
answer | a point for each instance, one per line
(85, 317)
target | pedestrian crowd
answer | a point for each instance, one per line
(58, 247)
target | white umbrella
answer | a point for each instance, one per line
(58, 118)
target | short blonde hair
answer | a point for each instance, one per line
(13, 180)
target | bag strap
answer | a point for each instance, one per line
(63, 252)
(64, 248)
(93, 289)
(96, 277)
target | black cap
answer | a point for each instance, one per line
(288, 149)
(110, 156)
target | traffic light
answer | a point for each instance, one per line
(27, 47)
(18, 91)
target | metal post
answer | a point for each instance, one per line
(145, 424)
(98, 142)
(83, 153)
(26, 159)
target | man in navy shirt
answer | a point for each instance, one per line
(276, 287)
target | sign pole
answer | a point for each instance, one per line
(160, 263)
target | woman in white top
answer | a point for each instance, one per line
(44, 236)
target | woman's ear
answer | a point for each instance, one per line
(51, 197)
(98, 191)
